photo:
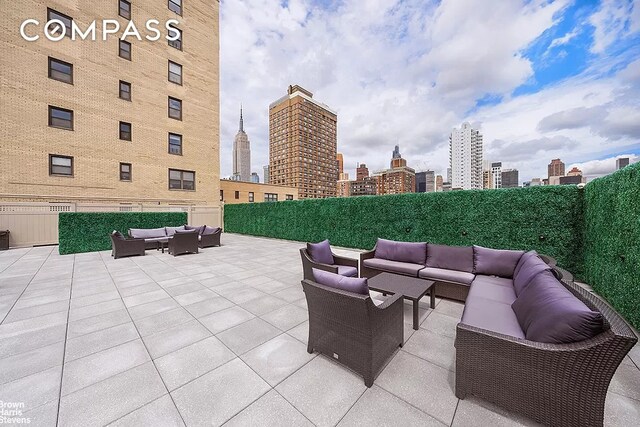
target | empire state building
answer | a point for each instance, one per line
(241, 154)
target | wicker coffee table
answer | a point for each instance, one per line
(411, 288)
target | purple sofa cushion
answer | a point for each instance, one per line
(147, 233)
(495, 262)
(186, 232)
(550, 313)
(350, 284)
(320, 252)
(411, 252)
(347, 270)
(458, 258)
(523, 258)
(452, 276)
(199, 228)
(172, 230)
(406, 268)
(528, 271)
(209, 230)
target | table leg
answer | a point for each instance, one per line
(432, 295)
(415, 315)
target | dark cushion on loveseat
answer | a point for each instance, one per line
(492, 289)
(147, 233)
(210, 230)
(411, 252)
(351, 284)
(199, 228)
(450, 257)
(320, 252)
(451, 276)
(529, 269)
(523, 258)
(548, 312)
(406, 268)
(495, 262)
(491, 315)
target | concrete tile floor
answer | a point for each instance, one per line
(217, 338)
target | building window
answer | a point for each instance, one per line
(125, 131)
(289, 196)
(175, 108)
(175, 144)
(66, 20)
(60, 70)
(125, 171)
(125, 90)
(176, 6)
(60, 165)
(270, 197)
(177, 43)
(251, 196)
(237, 195)
(124, 9)
(124, 50)
(175, 73)
(60, 118)
(182, 180)
(221, 195)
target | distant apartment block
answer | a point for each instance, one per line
(555, 168)
(367, 186)
(340, 164)
(255, 178)
(622, 162)
(496, 175)
(111, 122)
(343, 188)
(302, 144)
(510, 178)
(425, 182)
(232, 192)
(398, 179)
(265, 174)
(465, 157)
(362, 172)
(439, 183)
(242, 153)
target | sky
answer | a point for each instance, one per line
(540, 79)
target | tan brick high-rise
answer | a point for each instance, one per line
(303, 144)
(144, 125)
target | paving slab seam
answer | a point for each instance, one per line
(414, 406)
(66, 332)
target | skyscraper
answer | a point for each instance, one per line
(362, 172)
(340, 163)
(465, 156)
(425, 182)
(510, 178)
(622, 162)
(399, 178)
(496, 175)
(265, 174)
(555, 168)
(302, 144)
(439, 183)
(255, 178)
(241, 153)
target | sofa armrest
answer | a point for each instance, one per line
(368, 254)
(341, 260)
(390, 301)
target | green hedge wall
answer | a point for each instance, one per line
(612, 240)
(548, 219)
(89, 231)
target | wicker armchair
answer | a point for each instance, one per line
(121, 247)
(352, 329)
(208, 240)
(308, 263)
(183, 243)
(554, 384)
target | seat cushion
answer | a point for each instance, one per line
(411, 252)
(405, 268)
(443, 274)
(491, 315)
(493, 280)
(346, 270)
(199, 228)
(450, 257)
(528, 270)
(495, 262)
(320, 252)
(210, 230)
(350, 284)
(157, 239)
(548, 312)
(492, 291)
(172, 230)
(147, 233)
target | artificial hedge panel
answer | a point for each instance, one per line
(89, 231)
(612, 240)
(548, 219)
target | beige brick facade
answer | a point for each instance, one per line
(232, 192)
(94, 143)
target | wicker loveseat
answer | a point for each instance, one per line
(530, 340)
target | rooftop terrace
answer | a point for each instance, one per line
(215, 338)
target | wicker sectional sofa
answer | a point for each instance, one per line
(530, 340)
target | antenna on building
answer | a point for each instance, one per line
(241, 121)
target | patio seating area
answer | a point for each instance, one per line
(219, 337)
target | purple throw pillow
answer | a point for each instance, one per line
(199, 228)
(528, 271)
(523, 258)
(351, 284)
(320, 252)
(548, 312)
(495, 262)
(209, 230)
(459, 258)
(391, 250)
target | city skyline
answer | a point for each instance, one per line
(556, 82)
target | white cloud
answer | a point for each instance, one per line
(406, 72)
(560, 41)
(596, 168)
(614, 20)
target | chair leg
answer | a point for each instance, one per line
(368, 382)
(309, 349)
